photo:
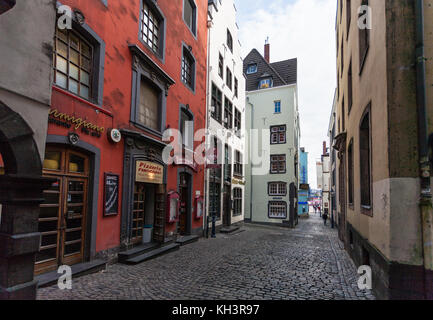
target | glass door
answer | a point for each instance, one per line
(73, 222)
(138, 213)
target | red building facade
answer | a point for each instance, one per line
(124, 73)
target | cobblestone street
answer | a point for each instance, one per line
(261, 262)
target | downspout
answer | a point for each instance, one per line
(206, 193)
(250, 159)
(425, 196)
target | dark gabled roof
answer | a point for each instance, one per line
(287, 70)
(282, 73)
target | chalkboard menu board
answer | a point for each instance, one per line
(111, 194)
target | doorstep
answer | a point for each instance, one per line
(78, 270)
(183, 240)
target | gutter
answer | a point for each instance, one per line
(426, 209)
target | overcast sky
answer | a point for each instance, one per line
(303, 29)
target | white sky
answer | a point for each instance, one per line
(303, 29)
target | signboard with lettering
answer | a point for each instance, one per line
(111, 194)
(149, 172)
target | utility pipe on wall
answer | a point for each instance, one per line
(426, 209)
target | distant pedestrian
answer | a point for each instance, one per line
(325, 217)
(315, 209)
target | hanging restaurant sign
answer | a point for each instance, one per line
(68, 121)
(149, 172)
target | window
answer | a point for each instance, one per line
(238, 168)
(188, 68)
(350, 171)
(151, 28)
(148, 110)
(237, 201)
(236, 87)
(229, 40)
(265, 83)
(277, 189)
(186, 129)
(217, 103)
(277, 105)
(364, 152)
(252, 68)
(277, 210)
(278, 134)
(348, 15)
(343, 116)
(189, 15)
(350, 88)
(73, 57)
(342, 59)
(215, 184)
(227, 164)
(229, 78)
(278, 163)
(364, 40)
(215, 199)
(221, 66)
(228, 113)
(238, 119)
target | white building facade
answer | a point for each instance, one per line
(225, 185)
(272, 117)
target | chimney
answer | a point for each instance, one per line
(324, 148)
(267, 51)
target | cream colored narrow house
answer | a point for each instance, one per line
(383, 122)
(225, 192)
(272, 114)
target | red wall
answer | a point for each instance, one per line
(118, 26)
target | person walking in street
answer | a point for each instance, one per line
(315, 209)
(325, 217)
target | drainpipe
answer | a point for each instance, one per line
(250, 159)
(206, 193)
(425, 196)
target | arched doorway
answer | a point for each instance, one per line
(20, 195)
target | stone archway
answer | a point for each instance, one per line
(20, 195)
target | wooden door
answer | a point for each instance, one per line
(63, 214)
(227, 214)
(159, 221)
(342, 200)
(184, 203)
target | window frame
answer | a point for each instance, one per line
(187, 54)
(250, 65)
(237, 202)
(366, 208)
(350, 174)
(238, 168)
(217, 115)
(366, 34)
(279, 163)
(229, 78)
(156, 11)
(279, 184)
(237, 121)
(221, 66)
(266, 80)
(280, 130)
(236, 88)
(270, 203)
(275, 106)
(193, 28)
(228, 112)
(98, 61)
(229, 40)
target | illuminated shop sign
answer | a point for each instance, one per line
(68, 121)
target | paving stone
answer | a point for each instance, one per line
(262, 263)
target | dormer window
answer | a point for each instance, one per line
(265, 83)
(252, 68)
